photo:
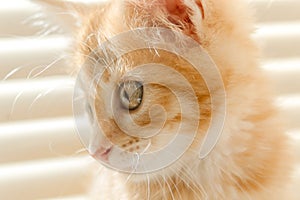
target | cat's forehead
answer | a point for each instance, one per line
(193, 17)
(120, 16)
(213, 23)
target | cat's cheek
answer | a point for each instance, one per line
(122, 160)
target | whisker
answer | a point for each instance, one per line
(148, 187)
(176, 188)
(163, 188)
(43, 94)
(45, 68)
(12, 72)
(79, 151)
(190, 181)
(170, 189)
(14, 103)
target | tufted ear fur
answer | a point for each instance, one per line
(186, 15)
(189, 12)
(182, 9)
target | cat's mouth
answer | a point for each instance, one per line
(102, 153)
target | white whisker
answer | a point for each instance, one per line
(14, 103)
(45, 68)
(12, 72)
(148, 187)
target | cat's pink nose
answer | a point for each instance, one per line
(102, 153)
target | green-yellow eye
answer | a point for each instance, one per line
(131, 94)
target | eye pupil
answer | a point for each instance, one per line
(131, 94)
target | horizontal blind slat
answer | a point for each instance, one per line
(279, 40)
(36, 98)
(284, 73)
(32, 57)
(290, 106)
(18, 14)
(41, 139)
(26, 18)
(79, 197)
(295, 136)
(276, 10)
(44, 179)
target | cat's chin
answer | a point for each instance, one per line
(141, 178)
(138, 178)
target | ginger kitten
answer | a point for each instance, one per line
(252, 159)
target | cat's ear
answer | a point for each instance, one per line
(188, 13)
(182, 8)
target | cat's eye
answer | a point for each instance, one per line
(131, 94)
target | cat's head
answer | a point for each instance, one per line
(124, 101)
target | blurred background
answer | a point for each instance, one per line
(41, 156)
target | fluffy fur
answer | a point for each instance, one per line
(252, 159)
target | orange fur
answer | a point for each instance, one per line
(253, 158)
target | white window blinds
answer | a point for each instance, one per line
(40, 154)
